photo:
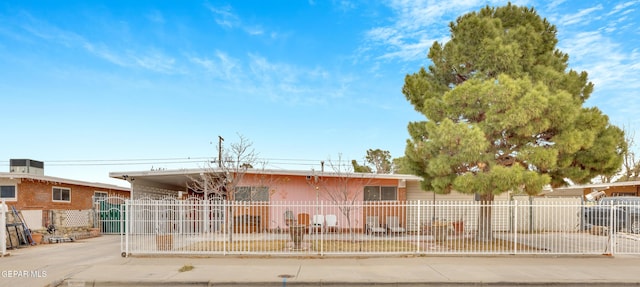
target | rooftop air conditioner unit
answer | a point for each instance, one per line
(26, 166)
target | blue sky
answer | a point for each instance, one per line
(93, 87)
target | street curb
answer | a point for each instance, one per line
(82, 283)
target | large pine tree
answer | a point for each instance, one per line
(504, 112)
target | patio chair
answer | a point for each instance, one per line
(331, 223)
(303, 219)
(393, 225)
(373, 226)
(317, 224)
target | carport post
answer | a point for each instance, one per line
(3, 229)
(418, 220)
(124, 228)
(206, 211)
(515, 226)
(613, 229)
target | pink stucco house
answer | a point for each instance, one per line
(269, 193)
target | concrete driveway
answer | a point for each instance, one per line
(50, 263)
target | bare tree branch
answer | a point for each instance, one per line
(344, 188)
(222, 181)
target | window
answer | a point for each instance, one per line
(252, 193)
(377, 193)
(61, 194)
(8, 192)
(99, 196)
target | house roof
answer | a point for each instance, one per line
(599, 185)
(16, 175)
(578, 190)
(181, 176)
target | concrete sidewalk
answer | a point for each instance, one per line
(97, 262)
(433, 271)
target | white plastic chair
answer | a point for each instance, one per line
(331, 223)
(373, 225)
(317, 223)
(393, 225)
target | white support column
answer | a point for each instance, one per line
(124, 228)
(613, 228)
(515, 226)
(418, 206)
(207, 206)
(3, 229)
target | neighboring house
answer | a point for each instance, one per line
(27, 188)
(33, 194)
(625, 188)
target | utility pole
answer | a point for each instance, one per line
(220, 140)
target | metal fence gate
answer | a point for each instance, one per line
(202, 227)
(110, 214)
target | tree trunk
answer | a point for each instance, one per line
(347, 213)
(485, 230)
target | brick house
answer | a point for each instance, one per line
(27, 188)
(43, 200)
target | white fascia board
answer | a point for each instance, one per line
(125, 174)
(62, 180)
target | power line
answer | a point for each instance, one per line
(138, 159)
(158, 161)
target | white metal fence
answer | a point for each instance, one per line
(200, 227)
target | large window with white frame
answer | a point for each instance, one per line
(8, 192)
(380, 193)
(61, 194)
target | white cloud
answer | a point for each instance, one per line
(605, 60)
(414, 27)
(147, 58)
(272, 81)
(223, 67)
(46, 31)
(296, 85)
(555, 3)
(254, 31)
(623, 6)
(344, 5)
(614, 71)
(592, 52)
(225, 17)
(103, 52)
(583, 16)
(154, 61)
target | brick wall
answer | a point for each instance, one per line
(35, 194)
